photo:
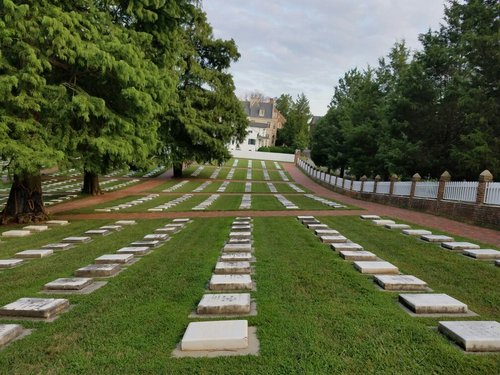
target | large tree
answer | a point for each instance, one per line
(295, 132)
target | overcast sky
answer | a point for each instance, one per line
(294, 46)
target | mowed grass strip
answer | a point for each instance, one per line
(471, 281)
(316, 315)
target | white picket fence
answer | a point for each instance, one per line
(427, 189)
(492, 194)
(462, 191)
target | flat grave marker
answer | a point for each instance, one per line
(381, 222)
(98, 270)
(432, 303)
(16, 233)
(227, 268)
(150, 244)
(376, 267)
(346, 246)
(459, 245)
(32, 254)
(57, 222)
(135, 250)
(230, 282)
(10, 263)
(43, 308)
(228, 303)
(98, 232)
(416, 232)
(370, 217)
(238, 247)
(218, 335)
(115, 258)
(325, 232)
(73, 283)
(9, 332)
(236, 257)
(112, 227)
(487, 254)
(126, 222)
(333, 239)
(436, 238)
(397, 226)
(357, 255)
(473, 336)
(36, 228)
(75, 239)
(156, 237)
(400, 282)
(58, 246)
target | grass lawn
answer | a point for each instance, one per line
(316, 314)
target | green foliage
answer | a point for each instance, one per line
(436, 110)
(278, 149)
(295, 132)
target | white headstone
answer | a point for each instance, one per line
(240, 234)
(483, 253)
(135, 250)
(369, 217)
(333, 239)
(9, 332)
(459, 245)
(357, 255)
(58, 246)
(83, 239)
(232, 268)
(157, 236)
(416, 232)
(346, 246)
(234, 303)
(383, 222)
(376, 267)
(230, 282)
(126, 222)
(98, 232)
(234, 257)
(218, 335)
(436, 238)
(36, 228)
(325, 232)
(400, 282)
(34, 253)
(317, 226)
(98, 270)
(114, 258)
(237, 247)
(35, 307)
(473, 336)
(150, 244)
(112, 227)
(73, 283)
(16, 233)
(397, 226)
(10, 263)
(57, 222)
(432, 303)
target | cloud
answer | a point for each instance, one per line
(293, 46)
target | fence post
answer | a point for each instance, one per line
(363, 179)
(393, 179)
(484, 178)
(377, 179)
(416, 178)
(445, 177)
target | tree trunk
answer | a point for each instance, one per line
(177, 170)
(25, 203)
(91, 184)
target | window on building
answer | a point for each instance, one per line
(261, 112)
(251, 141)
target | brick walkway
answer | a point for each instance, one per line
(437, 222)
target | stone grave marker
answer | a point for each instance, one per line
(227, 268)
(376, 267)
(237, 247)
(239, 240)
(234, 303)
(72, 283)
(235, 257)
(98, 270)
(436, 238)
(325, 232)
(427, 303)
(157, 237)
(145, 243)
(16, 233)
(114, 258)
(397, 226)
(98, 232)
(57, 222)
(483, 254)
(126, 222)
(9, 332)
(44, 308)
(317, 226)
(135, 250)
(346, 246)
(181, 220)
(241, 235)
(416, 232)
(357, 255)
(370, 217)
(241, 228)
(58, 246)
(473, 336)
(218, 335)
(34, 253)
(10, 263)
(333, 239)
(112, 227)
(36, 228)
(381, 222)
(459, 245)
(230, 282)
(82, 239)
(400, 282)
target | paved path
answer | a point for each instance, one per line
(437, 222)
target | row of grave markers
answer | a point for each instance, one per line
(474, 336)
(222, 188)
(466, 248)
(232, 278)
(105, 266)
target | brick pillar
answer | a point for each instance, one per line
(484, 179)
(394, 178)
(445, 177)
(363, 179)
(415, 178)
(297, 156)
(377, 179)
